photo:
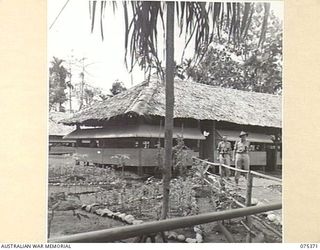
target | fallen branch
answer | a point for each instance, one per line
(237, 202)
(248, 229)
(275, 231)
(226, 233)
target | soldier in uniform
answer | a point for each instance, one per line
(224, 151)
(241, 154)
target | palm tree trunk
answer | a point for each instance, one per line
(70, 92)
(81, 93)
(60, 107)
(70, 100)
(169, 78)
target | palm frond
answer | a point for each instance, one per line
(199, 22)
(102, 9)
(94, 4)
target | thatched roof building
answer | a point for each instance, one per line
(57, 144)
(192, 100)
(56, 128)
(132, 122)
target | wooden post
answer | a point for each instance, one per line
(249, 189)
(198, 141)
(213, 131)
(169, 124)
(248, 202)
(275, 156)
(140, 167)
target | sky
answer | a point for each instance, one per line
(70, 36)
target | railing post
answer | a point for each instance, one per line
(248, 202)
(249, 189)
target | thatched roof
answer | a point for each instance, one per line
(192, 100)
(56, 128)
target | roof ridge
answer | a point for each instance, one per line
(190, 81)
(140, 104)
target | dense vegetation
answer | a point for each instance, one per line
(246, 66)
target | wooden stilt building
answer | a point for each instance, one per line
(131, 123)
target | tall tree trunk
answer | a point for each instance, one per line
(169, 78)
(82, 84)
(81, 92)
(70, 101)
(60, 107)
(70, 91)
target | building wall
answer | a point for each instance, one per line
(136, 156)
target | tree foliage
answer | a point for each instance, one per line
(89, 95)
(180, 157)
(200, 22)
(61, 89)
(246, 66)
(57, 83)
(117, 87)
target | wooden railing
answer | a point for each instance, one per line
(249, 178)
(239, 170)
(120, 233)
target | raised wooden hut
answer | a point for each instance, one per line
(131, 123)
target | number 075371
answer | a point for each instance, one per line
(308, 246)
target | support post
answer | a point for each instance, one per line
(214, 156)
(140, 167)
(248, 202)
(169, 114)
(249, 189)
(198, 141)
(275, 157)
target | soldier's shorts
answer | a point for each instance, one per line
(242, 161)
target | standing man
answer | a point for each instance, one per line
(241, 154)
(224, 150)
